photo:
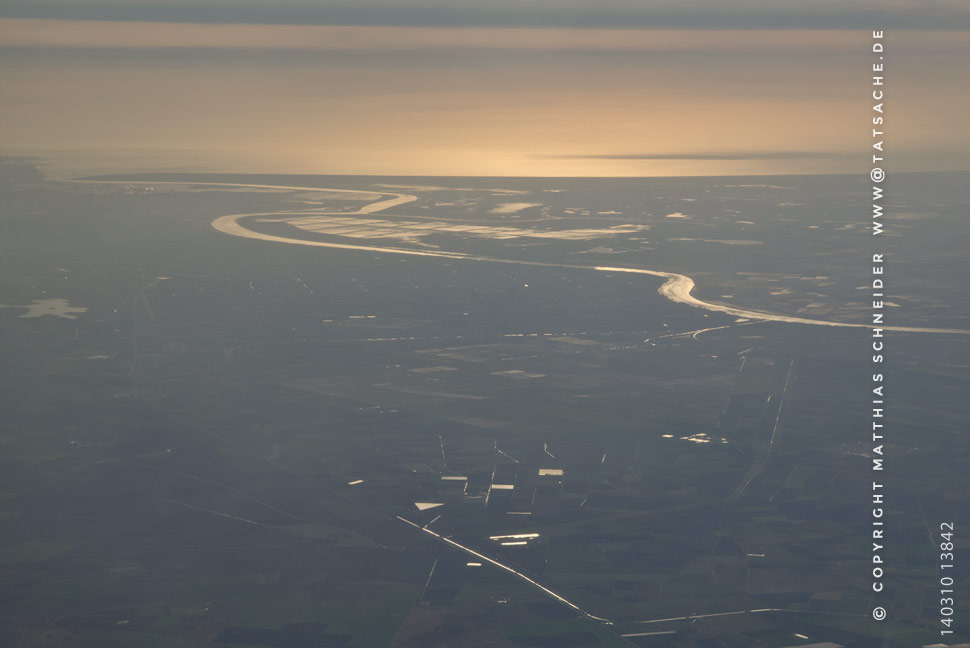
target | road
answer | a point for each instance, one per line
(505, 567)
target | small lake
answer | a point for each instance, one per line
(55, 307)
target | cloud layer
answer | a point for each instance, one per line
(693, 14)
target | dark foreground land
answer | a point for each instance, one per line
(219, 449)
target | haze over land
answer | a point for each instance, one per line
(502, 435)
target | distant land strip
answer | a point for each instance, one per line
(677, 287)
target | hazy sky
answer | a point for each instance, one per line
(540, 87)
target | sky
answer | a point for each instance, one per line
(463, 87)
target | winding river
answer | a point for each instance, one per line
(677, 287)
